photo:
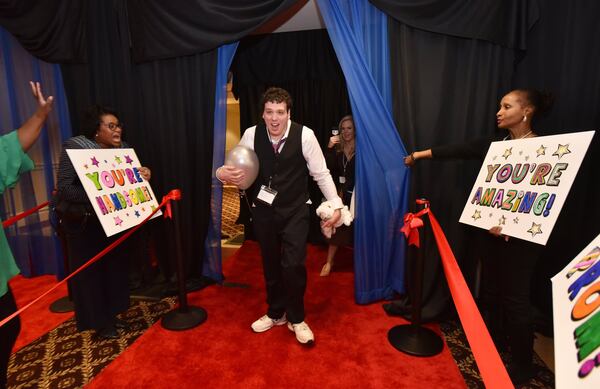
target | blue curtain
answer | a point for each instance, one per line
(211, 266)
(358, 32)
(33, 241)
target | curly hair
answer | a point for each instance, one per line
(277, 95)
(92, 117)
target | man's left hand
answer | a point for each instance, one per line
(331, 222)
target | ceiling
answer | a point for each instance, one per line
(304, 15)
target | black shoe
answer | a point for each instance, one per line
(107, 333)
(122, 325)
(520, 374)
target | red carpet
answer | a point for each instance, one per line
(37, 320)
(351, 348)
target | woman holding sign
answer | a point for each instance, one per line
(101, 291)
(508, 264)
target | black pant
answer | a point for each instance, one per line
(506, 294)
(8, 333)
(282, 239)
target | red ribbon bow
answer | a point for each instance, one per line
(412, 222)
(175, 194)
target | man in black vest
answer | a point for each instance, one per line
(288, 153)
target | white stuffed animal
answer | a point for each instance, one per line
(325, 211)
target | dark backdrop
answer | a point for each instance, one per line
(168, 116)
(446, 89)
(451, 62)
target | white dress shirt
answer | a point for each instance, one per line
(315, 161)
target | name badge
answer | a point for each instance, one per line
(342, 180)
(266, 195)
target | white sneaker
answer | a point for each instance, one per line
(303, 333)
(266, 323)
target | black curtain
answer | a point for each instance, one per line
(304, 64)
(52, 30)
(55, 30)
(165, 29)
(504, 23)
(563, 57)
(446, 90)
(167, 107)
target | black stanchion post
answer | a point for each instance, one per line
(413, 338)
(185, 316)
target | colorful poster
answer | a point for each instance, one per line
(119, 194)
(523, 184)
(576, 305)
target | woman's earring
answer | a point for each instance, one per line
(525, 118)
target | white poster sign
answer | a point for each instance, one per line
(576, 305)
(523, 184)
(120, 196)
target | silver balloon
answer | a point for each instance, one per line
(245, 159)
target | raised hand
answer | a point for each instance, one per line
(44, 104)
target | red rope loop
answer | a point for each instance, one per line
(173, 195)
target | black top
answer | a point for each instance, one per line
(475, 149)
(286, 171)
(340, 166)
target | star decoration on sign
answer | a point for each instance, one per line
(507, 153)
(95, 162)
(490, 215)
(527, 157)
(128, 160)
(502, 221)
(493, 159)
(561, 150)
(535, 229)
(476, 215)
(137, 213)
(118, 160)
(541, 150)
(118, 221)
(516, 220)
(86, 166)
(520, 152)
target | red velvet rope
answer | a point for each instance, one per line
(173, 195)
(20, 216)
(490, 365)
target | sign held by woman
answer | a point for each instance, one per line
(119, 194)
(523, 184)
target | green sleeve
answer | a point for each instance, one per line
(13, 161)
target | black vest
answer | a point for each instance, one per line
(286, 170)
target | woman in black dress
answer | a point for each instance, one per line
(101, 291)
(340, 160)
